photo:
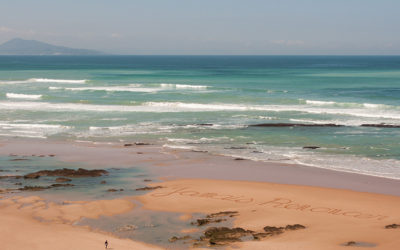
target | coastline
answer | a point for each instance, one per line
(373, 198)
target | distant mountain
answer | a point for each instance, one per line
(18, 46)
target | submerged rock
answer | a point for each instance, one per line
(126, 228)
(62, 179)
(215, 218)
(66, 172)
(175, 238)
(148, 188)
(380, 125)
(20, 159)
(311, 147)
(295, 125)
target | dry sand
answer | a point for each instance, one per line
(332, 217)
(258, 191)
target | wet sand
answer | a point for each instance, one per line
(335, 207)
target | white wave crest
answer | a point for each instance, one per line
(23, 96)
(182, 86)
(349, 104)
(114, 89)
(197, 107)
(56, 80)
(44, 80)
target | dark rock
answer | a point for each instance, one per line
(350, 243)
(148, 188)
(128, 144)
(20, 159)
(103, 182)
(62, 179)
(381, 125)
(61, 185)
(33, 188)
(52, 155)
(239, 159)
(274, 230)
(259, 236)
(237, 148)
(214, 218)
(205, 124)
(67, 173)
(115, 190)
(175, 238)
(11, 177)
(224, 235)
(142, 144)
(295, 125)
(392, 226)
(18, 183)
(147, 180)
(294, 227)
(311, 147)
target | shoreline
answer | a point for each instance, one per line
(180, 163)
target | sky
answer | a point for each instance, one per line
(204, 27)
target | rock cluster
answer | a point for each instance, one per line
(66, 172)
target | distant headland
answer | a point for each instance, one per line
(18, 46)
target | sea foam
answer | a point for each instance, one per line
(23, 96)
(44, 80)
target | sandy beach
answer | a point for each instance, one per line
(306, 208)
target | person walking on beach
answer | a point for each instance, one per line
(106, 244)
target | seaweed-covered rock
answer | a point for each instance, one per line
(215, 218)
(225, 235)
(273, 230)
(294, 227)
(66, 172)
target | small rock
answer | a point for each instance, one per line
(103, 182)
(392, 226)
(147, 180)
(311, 147)
(350, 243)
(239, 159)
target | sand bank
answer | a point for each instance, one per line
(332, 217)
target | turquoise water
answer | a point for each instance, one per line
(207, 102)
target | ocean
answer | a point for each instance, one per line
(208, 103)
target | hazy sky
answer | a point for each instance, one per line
(208, 26)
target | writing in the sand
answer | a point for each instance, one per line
(276, 203)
